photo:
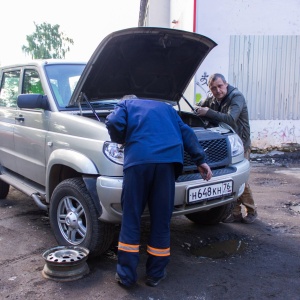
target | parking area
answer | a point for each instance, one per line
(227, 261)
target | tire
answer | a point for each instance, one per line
(72, 201)
(4, 189)
(212, 216)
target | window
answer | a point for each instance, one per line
(63, 80)
(32, 83)
(10, 88)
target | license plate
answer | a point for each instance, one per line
(211, 191)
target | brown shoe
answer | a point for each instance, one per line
(250, 218)
(233, 218)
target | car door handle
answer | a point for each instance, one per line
(20, 118)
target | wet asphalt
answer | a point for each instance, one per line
(225, 261)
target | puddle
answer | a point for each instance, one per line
(220, 249)
(295, 208)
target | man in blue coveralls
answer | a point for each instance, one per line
(155, 139)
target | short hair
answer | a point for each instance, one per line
(127, 97)
(214, 77)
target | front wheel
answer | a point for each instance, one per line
(74, 218)
(212, 216)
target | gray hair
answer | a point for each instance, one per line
(214, 77)
(127, 97)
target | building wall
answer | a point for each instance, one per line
(177, 14)
(221, 19)
(266, 68)
(272, 86)
(229, 20)
(160, 17)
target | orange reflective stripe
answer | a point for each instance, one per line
(158, 252)
(128, 247)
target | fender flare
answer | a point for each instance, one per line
(72, 159)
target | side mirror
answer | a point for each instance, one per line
(32, 101)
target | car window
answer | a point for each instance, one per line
(9, 88)
(63, 80)
(32, 83)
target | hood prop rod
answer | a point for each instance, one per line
(193, 109)
(91, 107)
(188, 103)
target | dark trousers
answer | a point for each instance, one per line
(152, 184)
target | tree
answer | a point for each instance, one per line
(47, 42)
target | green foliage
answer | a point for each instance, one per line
(47, 42)
(198, 97)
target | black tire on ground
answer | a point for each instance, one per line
(74, 218)
(4, 189)
(212, 216)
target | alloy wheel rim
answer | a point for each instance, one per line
(72, 220)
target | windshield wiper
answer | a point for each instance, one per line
(94, 104)
(75, 105)
(100, 104)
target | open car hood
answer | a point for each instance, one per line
(151, 63)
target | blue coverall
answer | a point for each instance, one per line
(155, 138)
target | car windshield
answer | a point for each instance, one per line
(62, 79)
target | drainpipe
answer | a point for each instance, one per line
(195, 16)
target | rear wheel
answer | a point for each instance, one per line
(4, 189)
(74, 218)
(212, 216)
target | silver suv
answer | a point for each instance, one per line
(54, 145)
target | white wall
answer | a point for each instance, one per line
(181, 14)
(221, 18)
(159, 13)
(270, 134)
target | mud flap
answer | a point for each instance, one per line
(90, 183)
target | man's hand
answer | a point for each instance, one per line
(201, 111)
(205, 171)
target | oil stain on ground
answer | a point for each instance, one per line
(220, 249)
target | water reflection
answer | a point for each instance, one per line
(220, 249)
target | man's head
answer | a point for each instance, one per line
(127, 97)
(218, 85)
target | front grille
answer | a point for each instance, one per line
(217, 153)
(216, 172)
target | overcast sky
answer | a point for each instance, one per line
(86, 22)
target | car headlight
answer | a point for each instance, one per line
(236, 143)
(114, 152)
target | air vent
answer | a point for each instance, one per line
(217, 154)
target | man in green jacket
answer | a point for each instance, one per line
(227, 104)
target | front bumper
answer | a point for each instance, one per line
(109, 192)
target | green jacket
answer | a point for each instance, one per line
(233, 111)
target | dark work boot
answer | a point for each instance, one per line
(250, 218)
(154, 281)
(233, 218)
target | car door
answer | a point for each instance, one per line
(30, 132)
(9, 90)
